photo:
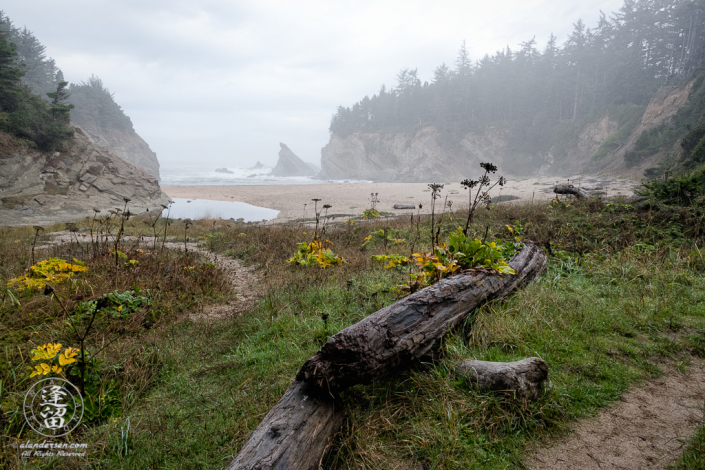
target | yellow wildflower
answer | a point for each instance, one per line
(67, 357)
(46, 352)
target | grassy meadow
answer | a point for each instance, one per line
(624, 295)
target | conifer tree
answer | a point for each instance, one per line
(60, 110)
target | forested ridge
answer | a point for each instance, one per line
(29, 83)
(38, 114)
(545, 95)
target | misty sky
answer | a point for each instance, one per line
(222, 82)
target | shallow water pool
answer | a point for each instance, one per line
(203, 208)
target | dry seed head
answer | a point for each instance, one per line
(489, 167)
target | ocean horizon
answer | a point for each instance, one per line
(194, 175)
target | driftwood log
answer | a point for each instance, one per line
(395, 336)
(295, 433)
(404, 206)
(570, 189)
(521, 378)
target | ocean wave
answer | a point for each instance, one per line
(193, 176)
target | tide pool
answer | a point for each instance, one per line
(203, 208)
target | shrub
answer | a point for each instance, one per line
(50, 270)
(393, 261)
(474, 252)
(388, 236)
(313, 253)
(369, 214)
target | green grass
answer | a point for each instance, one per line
(692, 458)
(220, 380)
(624, 292)
(601, 325)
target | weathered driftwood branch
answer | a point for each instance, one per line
(295, 433)
(404, 206)
(570, 189)
(394, 336)
(521, 378)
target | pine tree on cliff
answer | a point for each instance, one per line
(463, 65)
(60, 111)
(10, 75)
(40, 71)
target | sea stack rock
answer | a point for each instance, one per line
(290, 165)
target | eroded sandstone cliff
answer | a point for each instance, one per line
(105, 123)
(427, 154)
(125, 143)
(44, 187)
(420, 156)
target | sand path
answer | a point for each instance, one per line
(352, 199)
(648, 428)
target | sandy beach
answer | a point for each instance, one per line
(353, 199)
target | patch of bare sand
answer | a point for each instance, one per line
(648, 428)
(354, 198)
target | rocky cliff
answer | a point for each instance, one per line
(105, 123)
(426, 154)
(662, 106)
(420, 156)
(290, 165)
(44, 187)
(125, 143)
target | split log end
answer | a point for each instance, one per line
(521, 378)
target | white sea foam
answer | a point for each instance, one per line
(195, 175)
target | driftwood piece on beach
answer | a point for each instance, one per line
(295, 433)
(570, 189)
(404, 206)
(522, 378)
(395, 336)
